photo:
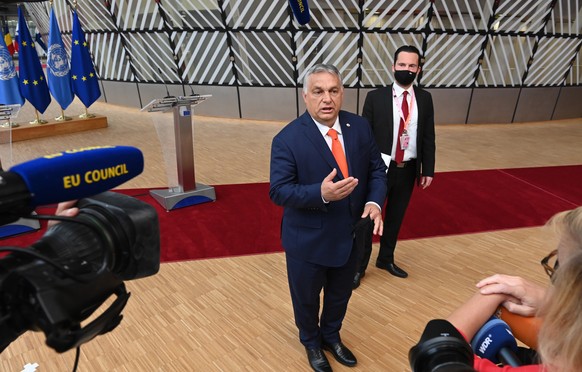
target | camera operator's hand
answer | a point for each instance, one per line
(65, 209)
(525, 297)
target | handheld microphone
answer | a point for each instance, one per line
(68, 175)
(524, 328)
(301, 10)
(495, 342)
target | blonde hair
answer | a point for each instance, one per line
(568, 227)
(559, 339)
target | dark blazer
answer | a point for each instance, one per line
(378, 109)
(312, 230)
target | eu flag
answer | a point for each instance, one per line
(58, 70)
(85, 82)
(32, 81)
(9, 90)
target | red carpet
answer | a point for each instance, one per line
(244, 221)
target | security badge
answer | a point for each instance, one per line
(404, 140)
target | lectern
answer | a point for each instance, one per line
(188, 192)
(23, 225)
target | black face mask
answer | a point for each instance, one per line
(404, 77)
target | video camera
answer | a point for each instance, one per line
(80, 262)
(441, 349)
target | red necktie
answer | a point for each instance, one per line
(338, 152)
(399, 158)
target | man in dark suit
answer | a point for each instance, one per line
(323, 199)
(406, 134)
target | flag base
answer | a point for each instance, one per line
(87, 116)
(38, 122)
(28, 131)
(9, 124)
(63, 118)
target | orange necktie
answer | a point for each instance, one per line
(338, 152)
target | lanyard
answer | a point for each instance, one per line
(399, 107)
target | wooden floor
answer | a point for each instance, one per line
(234, 314)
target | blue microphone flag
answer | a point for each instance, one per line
(32, 80)
(492, 338)
(9, 88)
(301, 10)
(79, 173)
(58, 69)
(85, 82)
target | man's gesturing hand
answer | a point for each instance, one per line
(331, 191)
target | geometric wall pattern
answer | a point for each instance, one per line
(258, 43)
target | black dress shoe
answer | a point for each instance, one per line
(341, 353)
(393, 269)
(357, 279)
(318, 360)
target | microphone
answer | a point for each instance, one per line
(301, 10)
(165, 85)
(525, 328)
(495, 342)
(68, 175)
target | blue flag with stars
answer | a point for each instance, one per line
(85, 82)
(58, 70)
(32, 81)
(9, 89)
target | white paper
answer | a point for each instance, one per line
(386, 159)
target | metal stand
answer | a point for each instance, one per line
(189, 192)
(23, 225)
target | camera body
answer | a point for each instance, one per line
(61, 279)
(441, 349)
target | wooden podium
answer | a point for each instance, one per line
(188, 192)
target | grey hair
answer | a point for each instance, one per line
(320, 67)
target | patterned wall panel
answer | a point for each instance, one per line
(378, 55)
(505, 60)
(258, 43)
(204, 58)
(339, 49)
(453, 59)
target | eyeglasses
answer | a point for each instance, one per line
(550, 267)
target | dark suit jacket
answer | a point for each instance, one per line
(378, 109)
(312, 230)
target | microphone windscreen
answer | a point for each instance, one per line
(76, 174)
(491, 338)
(300, 10)
(524, 328)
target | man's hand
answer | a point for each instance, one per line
(65, 209)
(525, 297)
(371, 210)
(332, 191)
(425, 181)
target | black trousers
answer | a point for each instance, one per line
(319, 323)
(400, 187)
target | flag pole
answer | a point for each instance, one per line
(86, 115)
(63, 117)
(38, 119)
